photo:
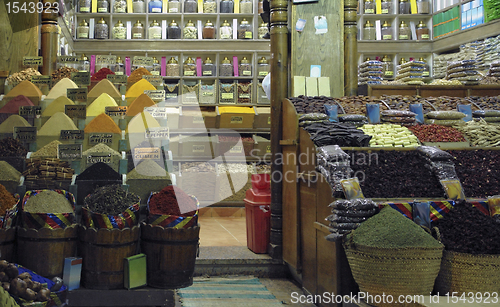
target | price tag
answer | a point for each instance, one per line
(154, 80)
(116, 111)
(248, 35)
(81, 78)
(158, 95)
(77, 94)
(41, 80)
(117, 78)
(227, 95)
(236, 119)
(244, 95)
(155, 73)
(32, 60)
(97, 138)
(105, 59)
(68, 59)
(236, 149)
(263, 73)
(199, 148)
(99, 157)
(142, 61)
(268, 149)
(189, 73)
(247, 73)
(269, 120)
(205, 94)
(72, 135)
(76, 111)
(70, 152)
(147, 153)
(157, 133)
(207, 72)
(157, 112)
(30, 111)
(25, 134)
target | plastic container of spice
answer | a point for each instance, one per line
(174, 6)
(154, 31)
(404, 31)
(119, 68)
(386, 31)
(226, 6)
(386, 7)
(173, 68)
(404, 7)
(388, 68)
(209, 6)
(263, 67)
(84, 6)
(208, 68)
(245, 68)
(426, 73)
(208, 30)
(173, 30)
(82, 31)
(120, 6)
(139, 6)
(138, 30)
(246, 7)
(262, 30)
(190, 6)
(225, 31)
(155, 6)
(245, 30)
(423, 6)
(369, 31)
(155, 71)
(102, 6)
(226, 68)
(369, 7)
(101, 30)
(190, 31)
(189, 67)
(119, 31)
(422, 31)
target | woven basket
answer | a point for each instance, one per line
(404, 271)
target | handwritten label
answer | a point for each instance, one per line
(30, 111)
(77, 94)
(198, 148)
(154, 80)
(41, 80)
(105, 59)
(69, 59)
(32, 60)
(69, 151)
(81, 78)
(117, 78)
(97, 138)
(158, 95)
(198, 120)
(25, 134)
(236, 149)
(189, 73)
(148, 153)
(157, 112)
(247, 73)
(116, 111)
(205, 94)
(207, 72)
(157, 133)
(72, 135)
(96, 158)
(236, 119)
(142, 61)
(76, 111)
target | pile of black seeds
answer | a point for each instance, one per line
(99, 171)
(394, 174)
(465, 229)
(110, 199)
(479, 171)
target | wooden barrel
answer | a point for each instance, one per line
(170, 255)
(43, 250)
(103, 251)
(7, 240)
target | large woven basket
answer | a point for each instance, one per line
(464, 273)
(403, 271)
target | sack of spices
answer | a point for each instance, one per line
(448, 115)
(48, 209)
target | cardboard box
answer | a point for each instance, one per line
(72, 272)
(135, 274)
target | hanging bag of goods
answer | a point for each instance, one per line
(172, 207)
(111, 207)
(52, 209)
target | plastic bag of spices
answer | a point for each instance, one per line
(373, 113)
(434, 153)
(467, 110)
(449, 115)
(332, 112)
(486, 113)
(418, 109)
(398, 113)
(353, 118)
(345, 219)
(313, 117)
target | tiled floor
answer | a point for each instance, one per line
(222, 227)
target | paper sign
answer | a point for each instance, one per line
(69, 59)
(147, 153)
(40, 80)
(320, 24)
(97, 138)
(300, 25)
(30, 111)
(81, 78)
(75, 111)
(32, 60)
(70, 152)
(25, 134)
(72, 135)
(157, 133)
(117, 78)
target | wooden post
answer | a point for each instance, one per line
(279, 91)
(350, 48)
(49, 34)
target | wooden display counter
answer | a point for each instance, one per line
(430, 90)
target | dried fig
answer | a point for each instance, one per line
(6, 286)
(18, 287)
(29, 295)
(43, 295)
(11, 270)
(24, 275)
(36, 286)
(3, 265)
(3, 277)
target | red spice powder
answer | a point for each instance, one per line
(12, 107)
(102, 74)
(172, 201)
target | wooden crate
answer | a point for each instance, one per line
(236, 120)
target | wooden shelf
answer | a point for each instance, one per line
(392, 47)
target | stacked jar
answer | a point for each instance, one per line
(369, 32)
(174, 6)
(154, 31)
(83, 30)
(155, 6)
(263, 67)
(208, 31)
(209, 6)
(208, 68)
(226, 6)
(386, 31)
(190, 6)
(190, 31)
(189, 67)
(173, 68)
(225, 31)
(422, 31)
(245, 68)
(226, 68)
(102, 6)
(155, 71)
(139, 6)
(119, 67)
(404, 31)
(173, 31)
(120, 6)
(119, 31)
(388, 68)
(246, 7)
(101, 30)
(245, 30)
(138, 30)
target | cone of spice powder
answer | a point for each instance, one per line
(104, 86)
(57, 106)
(13, 121)
(27, 89)
(137, 89)
(7, 201)
(9, 177)
(136, 75)
(102, 74)
(102, 124)
(142, 122)
(99, 105)
(59, 121)
(61, 88)
(13, 105)
(138, 105)
(49, 150)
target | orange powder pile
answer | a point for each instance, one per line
(102, 124)
(138, 105)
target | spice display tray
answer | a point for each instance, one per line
(198, 121)
(448, 145)
(236, 120)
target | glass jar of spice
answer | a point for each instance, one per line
(173, 68)
(246, 7)
(102, 6)
(190, 31)
(154, 31)
(138, 30)
(369, 32)
(208, 68)
(402, 61)
(209, 6)
(155, 71)
(386, 7)
(174, 6)
(263, 67)
(386, 31)
(189, 67)
(263, 30)
(245, 30)
(82, 31)
(226, 6)
(120, 6)
(426, 73)
(119, 67)
(404, 7)
(190, 6)
(404, 31)
(261, 6)
(84, 5)
(138, 6)
(423, 6)
(422, 31)
(369, 7)
(245, 68)
(101, 30)
(225, 31)
(173, 31)
(119, 31)
(226, 68)
(155, 6)
(388, 68)
(208, 31)
(84, 63)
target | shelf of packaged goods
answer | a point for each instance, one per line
(453, 41)
(452, 6)
(394, 47)
(173, 45)
(227, 159)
